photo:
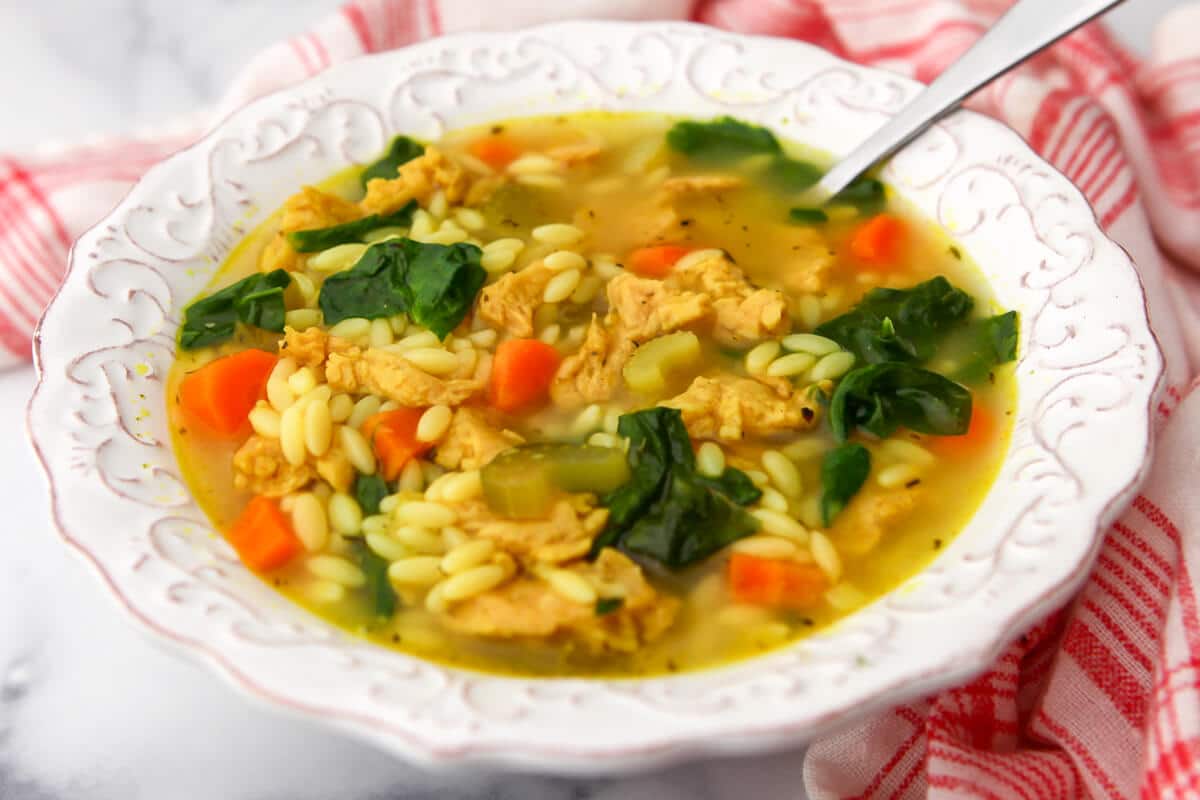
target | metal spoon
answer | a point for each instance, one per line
(1027, 28)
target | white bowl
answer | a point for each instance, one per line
(1088, 370)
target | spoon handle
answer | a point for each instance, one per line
(1028, 27)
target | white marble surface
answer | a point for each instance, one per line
(89, 710)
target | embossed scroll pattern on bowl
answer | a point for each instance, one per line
(1088, 369)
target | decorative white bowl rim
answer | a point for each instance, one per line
(1088, 372)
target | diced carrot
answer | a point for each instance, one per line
(770, 582)
(496, 151)
(521, 374)
(263, 535)
(979, 433)
(880, 241)
(217, 397)
(656, 261)
(393, 436)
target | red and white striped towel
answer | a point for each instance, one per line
(1102, 699)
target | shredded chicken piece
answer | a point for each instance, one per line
(647, 308)
(388, 373)
(592, 374)
(278, 254)
(312, 208)
(472, 441)
(868, 518)
(307, 209)
(509, 303)
(259, 466)
(307, 347)
(729, 408)
(683, 186)
(483, 188)
(745, 314)
(657, 224)
(564, 535)
(807, 269)
(528, 608)
(418, 179)
(712, 291)
(579, 153)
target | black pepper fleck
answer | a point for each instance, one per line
(937, 544)
(807, 413)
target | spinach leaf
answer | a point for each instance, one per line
(317, 239)
(369, 490)
(255, 300)
(400, 151)
(866, 194)
(442, 282)
(688, 523)
(899, 324)
(843, 472)
(734, 484)
(436, 284)
(993, 342)
(721, 139)
(378, 587)
(607, 605)
(808, 216)
(653, 449)
(880, 398)
(792, 175)
(667, 513)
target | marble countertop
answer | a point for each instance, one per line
(89, 709)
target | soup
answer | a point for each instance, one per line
(592, 395)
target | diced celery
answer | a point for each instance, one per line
(657, 361)
(587, 468)
(524, 482)
(517, 484)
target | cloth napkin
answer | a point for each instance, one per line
(1101, 699)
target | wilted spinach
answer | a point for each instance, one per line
(667, 513)
(369, 491)
(436, 284)
(808, 216)
(900, 324)
(725, 139)
(866, 194)
(734, 484)
(791, 174)
(401, 150)
(882, 397)
(608, 605)
(843, 472)
(378, 587)
(255, 300)
(317, 239)
(722, 139)
(992, 341)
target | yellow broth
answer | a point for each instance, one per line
(608, 196)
